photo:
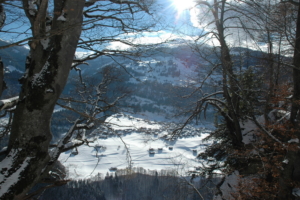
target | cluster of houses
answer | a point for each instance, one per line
(159, 150)
(165, 129)
(165, 132)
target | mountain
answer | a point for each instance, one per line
(155, 83)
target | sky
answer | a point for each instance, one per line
(187, 20)
(173, 13)
(176, 19)
(179, 22)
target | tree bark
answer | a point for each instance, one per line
(295, 115)
(291, 170)
(46, 75)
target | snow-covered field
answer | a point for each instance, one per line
(141, 143)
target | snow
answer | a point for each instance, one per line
(139, 136)
(82, 54)
(61, 17)
(160, 74)
(6, 103)
(32, 8)
(11, 68)
(72, 143)
(49, 91)
(120, 122)
(45, 43)
(38, 77)
(11, 179)
(229, 186)
(249, 128)
(296, 192)
(295, 140)
(279, 115)
(285, 161)
(3, 149)
(57, 108)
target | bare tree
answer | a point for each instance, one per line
(260, 22)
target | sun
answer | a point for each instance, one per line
(182, 5)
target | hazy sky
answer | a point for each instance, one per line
(177, 19)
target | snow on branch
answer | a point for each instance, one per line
(8, 103)
(60, 146)
(72, 144)
(72, 109)
(85, 126)
(66, 143)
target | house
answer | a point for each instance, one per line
(151, 149)
(113, 169)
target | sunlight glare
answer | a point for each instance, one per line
(182, 5)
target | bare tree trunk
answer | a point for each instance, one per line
(295, 111)
(229, 82)
(2, 20)
(291, 170)
(2, 83)
(270, 64)
(46, 75)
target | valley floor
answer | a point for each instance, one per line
(136, 143)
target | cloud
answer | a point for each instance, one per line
(238, 16)
(146, 38)
(82, 54)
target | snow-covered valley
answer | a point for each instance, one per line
(130, 142)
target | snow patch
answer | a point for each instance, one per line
(61, 17)
(121, 122)
(49, 91)
(229, 186)
(82, 54)
(296, 192)
(38, 78)
(295, 140)
(279, 115)
(7, 179)
(32, 8)
(72, 143)
(45, 43)
(11, 68)
(7, 103)
(249, 128)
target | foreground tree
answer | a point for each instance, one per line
(56, 28)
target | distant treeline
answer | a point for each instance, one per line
(135, 186)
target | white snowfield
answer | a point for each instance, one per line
(147, 142)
